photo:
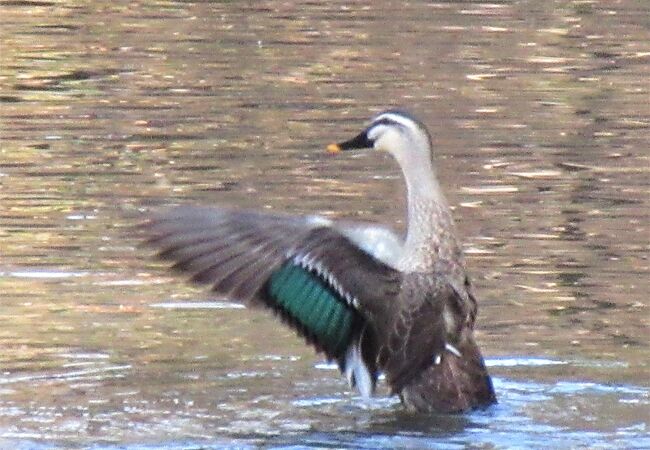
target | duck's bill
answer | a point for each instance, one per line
(357, 142)
(334, 148)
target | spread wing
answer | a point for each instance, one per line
(316, 278)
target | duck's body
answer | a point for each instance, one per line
(367, 298)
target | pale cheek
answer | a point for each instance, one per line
(388, 142)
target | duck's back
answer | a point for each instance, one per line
(427, 350)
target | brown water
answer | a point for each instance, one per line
(540, 113)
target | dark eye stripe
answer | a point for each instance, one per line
(385, 121)
(388, 121)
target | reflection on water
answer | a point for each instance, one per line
(540, 117)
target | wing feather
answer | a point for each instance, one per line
(239, 252)
(236, 252)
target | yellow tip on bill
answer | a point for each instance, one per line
(333, 148)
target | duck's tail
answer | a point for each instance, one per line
(456, 381)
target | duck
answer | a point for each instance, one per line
(371, 300)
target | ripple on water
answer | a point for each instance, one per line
(43, 274)
(198, 305)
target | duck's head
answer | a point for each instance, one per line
(393, 131)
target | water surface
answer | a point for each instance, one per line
(540, 117)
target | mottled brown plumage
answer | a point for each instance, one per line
(403, 307)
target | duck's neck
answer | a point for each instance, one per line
(431, 231)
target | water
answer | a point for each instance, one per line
(541, 121)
